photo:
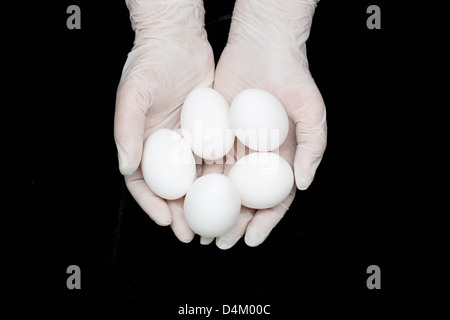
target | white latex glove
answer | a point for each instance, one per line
(266, 50)
(171, 56)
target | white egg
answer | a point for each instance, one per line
(212, 205)
(205, 123)
(259, 120)
(168, 165)
(264, 179)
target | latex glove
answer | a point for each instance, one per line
(171, 56)
(266, 50)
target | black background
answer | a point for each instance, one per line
(374, 199)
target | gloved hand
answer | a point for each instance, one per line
(171, 56)
(266, 50)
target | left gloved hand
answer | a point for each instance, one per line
(171, 57)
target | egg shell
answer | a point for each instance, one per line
(212, 205)
(259, 120)
(168, 165)
(264, 179)
(205, 123)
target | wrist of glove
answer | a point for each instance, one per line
(171, 20)
(285, 23)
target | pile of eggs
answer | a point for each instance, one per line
(209, 125)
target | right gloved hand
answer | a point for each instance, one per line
(266, 49)
(171, 56)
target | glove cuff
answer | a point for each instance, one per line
(264, 22)
(171, 20)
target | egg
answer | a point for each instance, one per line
(168, 165)
(205, 123)
(264, 179)
(212, 205)
(259, 120)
